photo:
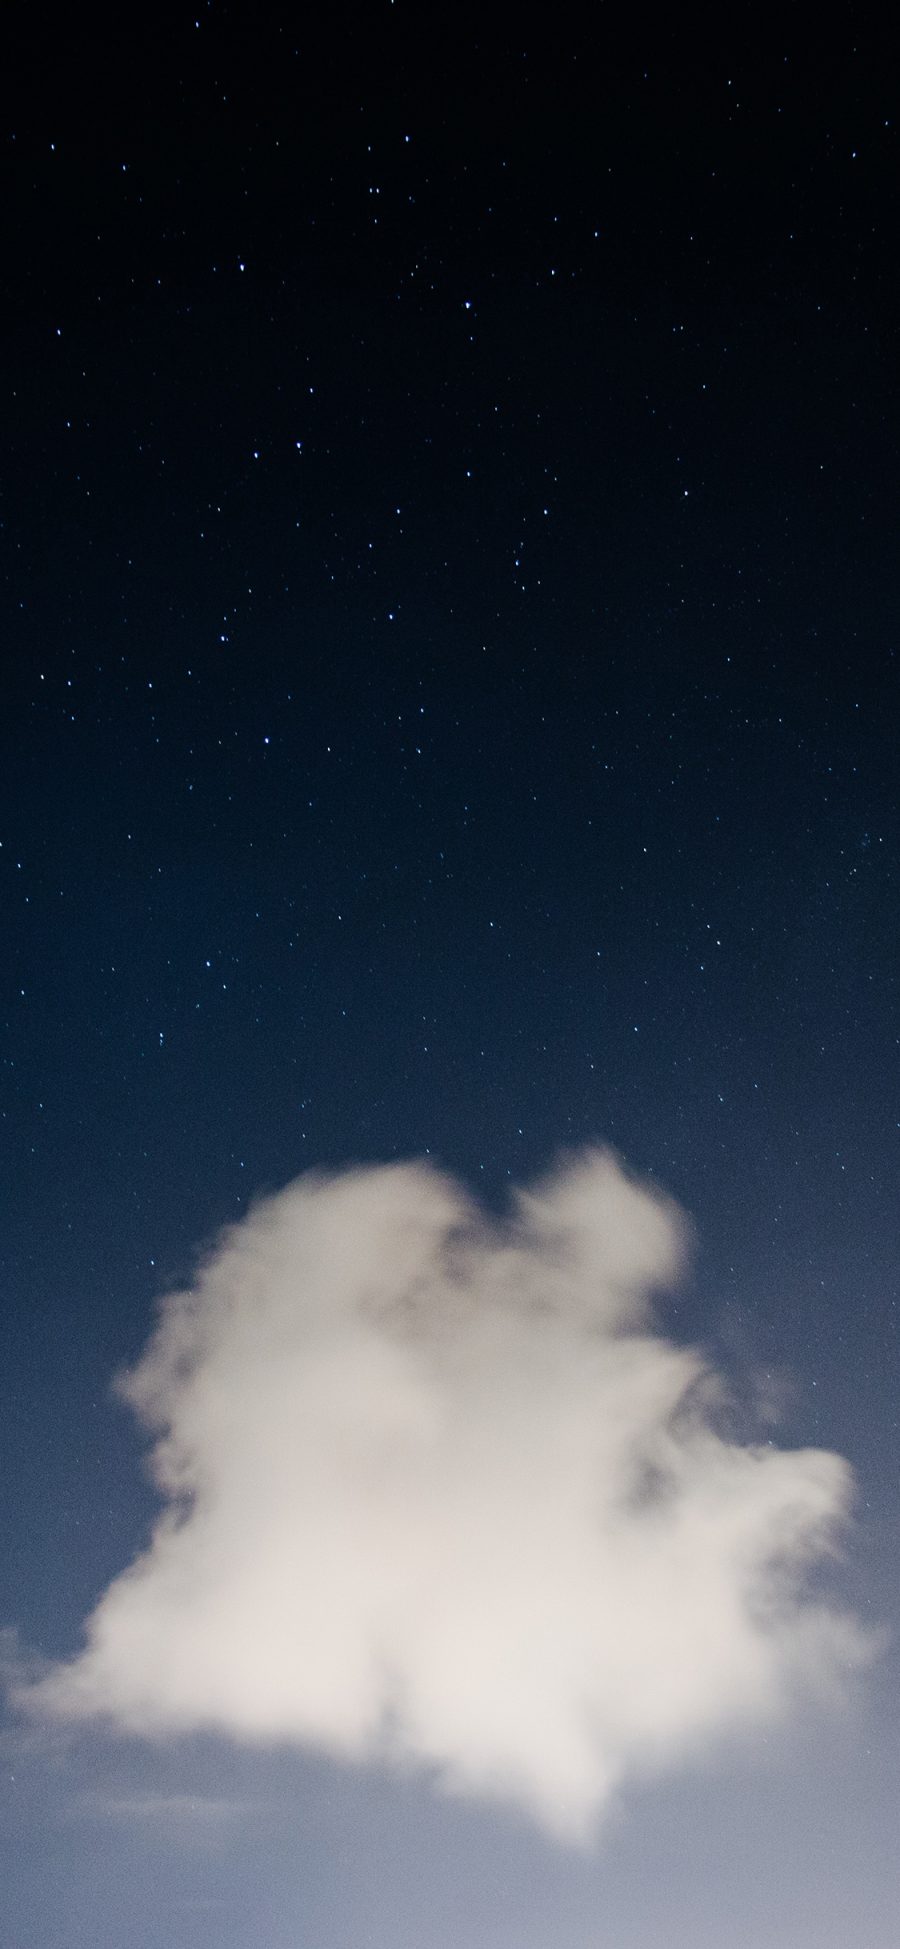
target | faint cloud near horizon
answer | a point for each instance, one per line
(179, 1808)
(439, 1491)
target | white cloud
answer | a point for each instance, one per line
(441, 1491)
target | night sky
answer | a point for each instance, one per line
(449, 719)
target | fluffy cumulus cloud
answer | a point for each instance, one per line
(439, 1490)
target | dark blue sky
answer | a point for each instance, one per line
(450, 706)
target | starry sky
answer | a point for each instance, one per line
(449, 719)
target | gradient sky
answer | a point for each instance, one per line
(450, 716)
